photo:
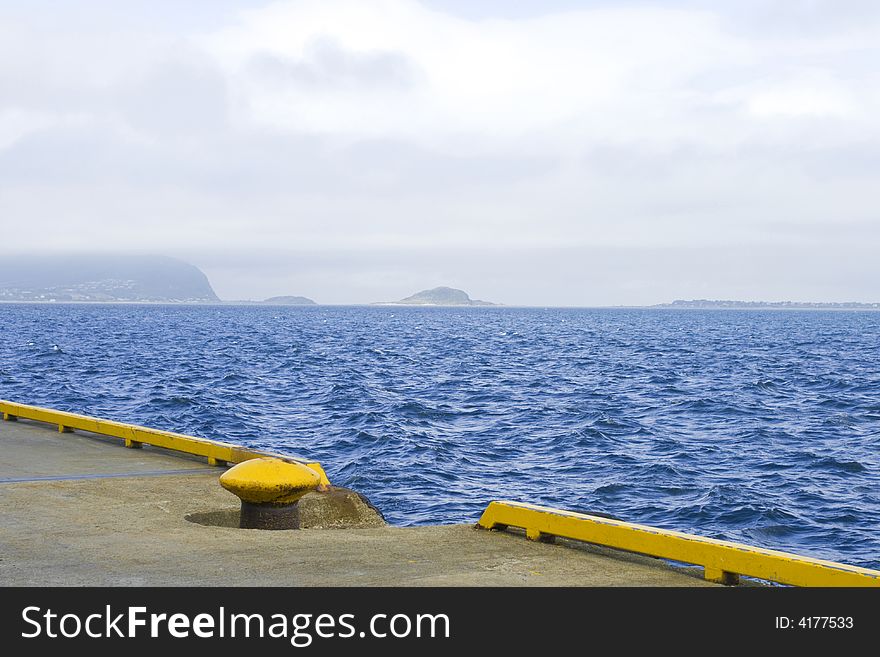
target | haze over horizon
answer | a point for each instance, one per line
(559, 153)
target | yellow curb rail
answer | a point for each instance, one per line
(722, 561)
(217, 453)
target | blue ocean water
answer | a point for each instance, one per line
(756, 426)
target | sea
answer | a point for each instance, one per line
(756, 426)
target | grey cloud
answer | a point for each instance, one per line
(229, 162)
(180, 97)
(799, 18)
(846, 161)
(27, 87)
(754, 177)
(755, 16)
(410, 169)
(326, 66)
(66, 155)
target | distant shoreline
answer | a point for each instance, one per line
(658, 307)
(725, 304)
(847, 309)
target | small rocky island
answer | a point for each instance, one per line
(441, 296)
(288, 301)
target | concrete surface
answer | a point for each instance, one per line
(77, 510)
(37, 450)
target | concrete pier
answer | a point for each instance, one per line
(81, 509)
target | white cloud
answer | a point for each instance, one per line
(491, 79)
(810, 94)
(17, 123)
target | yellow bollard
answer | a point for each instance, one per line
(269, 489)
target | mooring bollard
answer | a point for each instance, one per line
(269, 489)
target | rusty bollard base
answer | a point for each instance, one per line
(269, 489)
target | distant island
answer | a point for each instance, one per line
(769, 305)
(289, 301)
(439, 296)
(103, 278)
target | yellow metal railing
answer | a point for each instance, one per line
(722, 561)
(217, 453)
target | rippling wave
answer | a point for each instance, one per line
(756, 426)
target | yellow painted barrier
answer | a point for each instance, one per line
(722, 561)
(217, 453)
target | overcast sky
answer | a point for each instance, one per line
(552, 152)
